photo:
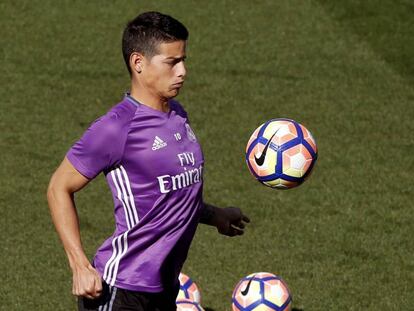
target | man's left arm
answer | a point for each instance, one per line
(229, 221)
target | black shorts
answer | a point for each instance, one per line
(118, 299)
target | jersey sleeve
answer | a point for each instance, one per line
(100, 147)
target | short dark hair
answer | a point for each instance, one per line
(145, 32)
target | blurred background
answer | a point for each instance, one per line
(344, 69)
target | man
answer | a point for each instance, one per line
(153, 165)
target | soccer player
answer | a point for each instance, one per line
(153, 165)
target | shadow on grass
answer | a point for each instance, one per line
(381, 26)
(296, 309)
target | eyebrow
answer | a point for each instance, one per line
(176, 58)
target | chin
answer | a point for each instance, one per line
(173, 93)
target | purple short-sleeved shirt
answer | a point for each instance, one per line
(153, 165)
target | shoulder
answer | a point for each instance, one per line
(120, 114)
(110, 130)
(102, 144)
(117, 119)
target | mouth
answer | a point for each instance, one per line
(178, 84)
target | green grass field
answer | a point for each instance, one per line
(345, 69)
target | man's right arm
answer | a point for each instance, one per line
(60, 195)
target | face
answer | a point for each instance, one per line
(163, 75)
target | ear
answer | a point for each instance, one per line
(136, 62)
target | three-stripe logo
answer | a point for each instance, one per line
(158, 143)
(120, 243)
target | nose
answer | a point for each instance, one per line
(181, 71)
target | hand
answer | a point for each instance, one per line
(86, 282)
(230, 221)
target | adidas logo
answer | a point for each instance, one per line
(158, 143)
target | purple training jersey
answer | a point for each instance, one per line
(154, 166)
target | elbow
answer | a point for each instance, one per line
(53, 189)
(50, 191)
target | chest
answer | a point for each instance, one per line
(162, 146)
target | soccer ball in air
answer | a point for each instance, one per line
(261, 291)
(281, 153)
(188, 289)
(188, 305)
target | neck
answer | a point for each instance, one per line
(148, 99)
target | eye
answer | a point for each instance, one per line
(174, 62)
